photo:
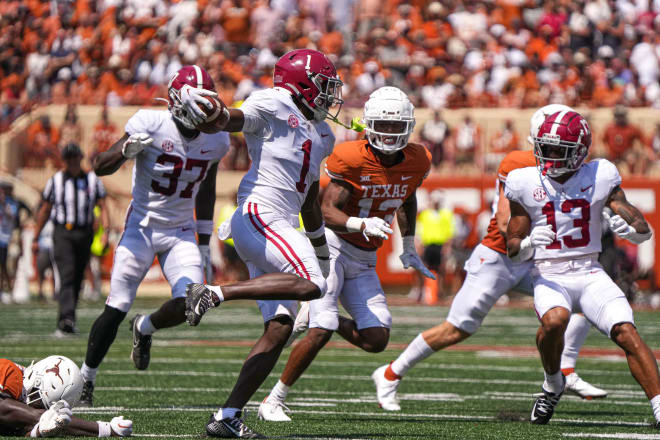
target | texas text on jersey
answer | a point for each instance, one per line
(377, 191)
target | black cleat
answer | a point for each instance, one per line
(657, 424)
(141, 352)
(87, 395)
(231, 427)
(544, 407)
(199, 300)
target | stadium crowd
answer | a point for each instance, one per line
(509, 53)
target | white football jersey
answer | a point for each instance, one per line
(573, 208)
(166, 174)
(286, 152)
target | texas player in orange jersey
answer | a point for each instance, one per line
(36, 401)
(371, 181)
(490, 274)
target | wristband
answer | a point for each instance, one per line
(408, 241)
(318, 233)
(35, 431)
(354, 224)
(104, 429)
(205, 227)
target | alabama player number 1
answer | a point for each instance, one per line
(307, 151)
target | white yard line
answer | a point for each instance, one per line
(616, 435)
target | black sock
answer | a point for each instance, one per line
(102, 335)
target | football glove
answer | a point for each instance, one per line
(373, 227)
(121, 426)
(207, 266)
(539, 237)
(409, 258)
(135, 144)
(53, 421)
(622, 229)
(191, 97)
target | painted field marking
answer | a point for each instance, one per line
(616, 435)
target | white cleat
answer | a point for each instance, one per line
(386, 390)
(271, 410)
(579, 387)
(300, 324)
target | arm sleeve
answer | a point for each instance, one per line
(255, 114)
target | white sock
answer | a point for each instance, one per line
(217, 290)
(279, 391)
(655, 404)
(224, 413)
(88, 374)
(554, 383)
(145, 326)
(576, 333)
(416, 351)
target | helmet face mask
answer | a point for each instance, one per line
(312, 79)
(50, 380)
(562, 143)
(193, 76)
(390, 120)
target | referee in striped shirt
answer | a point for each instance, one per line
(68, 200)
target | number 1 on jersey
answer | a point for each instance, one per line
(307, 151)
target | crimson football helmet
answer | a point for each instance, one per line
(194, 76)
(312, 78)
(562, 143)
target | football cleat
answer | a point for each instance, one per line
(576, 385)
(272, 410)
(657, 424)
(230, 427)
(545, 404)
(87, 395)
(386, 390)
(199, 299)
(140, 354)
(301, 323)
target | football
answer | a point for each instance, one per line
(217, 116)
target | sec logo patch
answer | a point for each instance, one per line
(293, 121)
(539, 194)
(168, 146)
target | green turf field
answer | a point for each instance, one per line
(485, 393)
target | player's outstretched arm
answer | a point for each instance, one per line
(335, 197)
(204, 206)
(503, 212)
(18, 415)
(315, 229)
(627, 221)
(516, 231)
(406, 215)
(111, 160)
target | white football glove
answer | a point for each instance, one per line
(190, 97)
(409, 258)
(135, 144)
(373, 227)
(539, 237)
(121, 426)
(323, 255)
(622, 229)
(207, 266)
(53, 421)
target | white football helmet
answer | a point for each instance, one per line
(539, 117)
(388, 104)
(51, 379)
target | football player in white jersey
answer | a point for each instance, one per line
(490, 274)
(556, 221)
(173, 178)
(287, 139)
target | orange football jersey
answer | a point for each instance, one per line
(512, 161)
(377, 190)
(11, 379)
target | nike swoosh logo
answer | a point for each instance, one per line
(197, 308)
(325, 135)
(186, 229)
(586, 188)
(406, 177)
(204, 151)
(123, 427)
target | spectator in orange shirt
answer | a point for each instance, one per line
(70, 130)
(105, 132)
(42, 140)
(619, 139)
